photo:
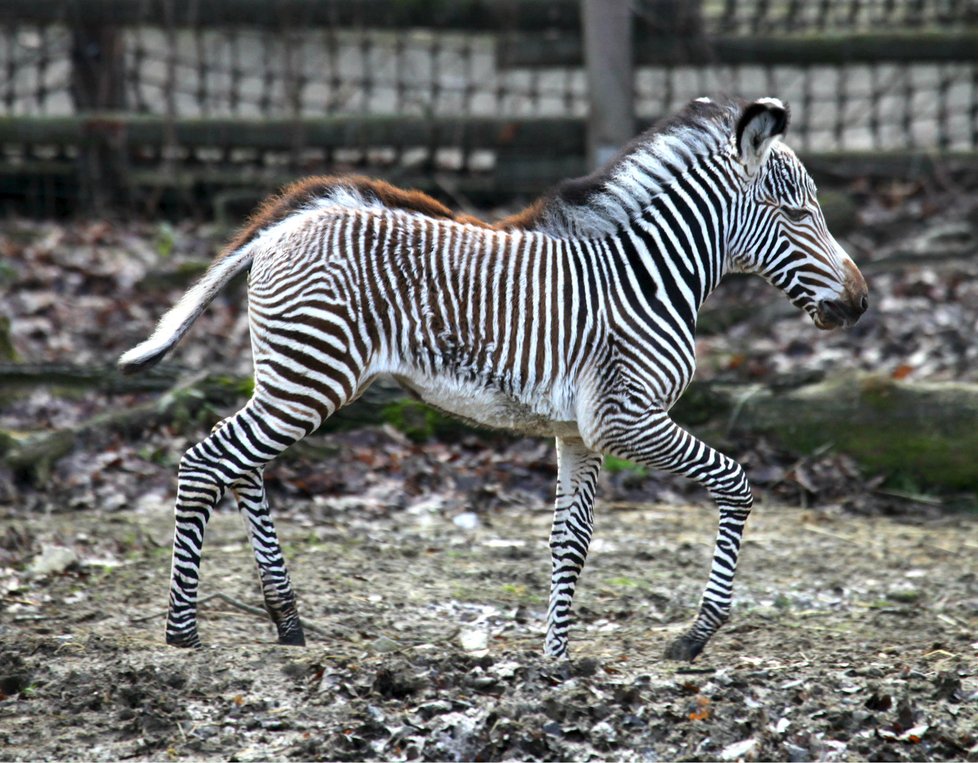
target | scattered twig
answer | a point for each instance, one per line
(237, 604)
(144, 618)
(690, 670)
(926, 500)
(950, 620)
(835, 536)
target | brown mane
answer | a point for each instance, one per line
(525, 219)
(304, 192)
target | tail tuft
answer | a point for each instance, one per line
(139, 359)
(181, 316)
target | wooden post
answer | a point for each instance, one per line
(98, 85)
(607, 26)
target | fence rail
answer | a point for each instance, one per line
(460, 15)
(160, 102)
(805, 49)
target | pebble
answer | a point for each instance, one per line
(384, 645)
(473, 640)
(467, 520)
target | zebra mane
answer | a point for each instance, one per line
(353, 191)
(604, 201)
(594, 205)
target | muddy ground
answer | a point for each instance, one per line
(854, 637)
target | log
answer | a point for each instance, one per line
(7, 351)
(919, 431)
(923, 432)
(14, 376)
(31, 457)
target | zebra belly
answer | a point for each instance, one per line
(535, 414)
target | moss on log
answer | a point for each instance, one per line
(924, 432)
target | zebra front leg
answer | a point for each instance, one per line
(577, 473)
(655, 440)
(272, 573)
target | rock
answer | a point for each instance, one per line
(384, 645)
(737, 750)
(474, 640)
(52, 560)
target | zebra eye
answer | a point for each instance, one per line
(796, 214)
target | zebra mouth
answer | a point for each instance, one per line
(834, 313)
(823, 324)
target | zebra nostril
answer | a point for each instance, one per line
(863, 303)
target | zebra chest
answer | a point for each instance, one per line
(536, 413)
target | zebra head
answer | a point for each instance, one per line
(779, 230)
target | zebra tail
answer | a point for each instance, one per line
(179, 318)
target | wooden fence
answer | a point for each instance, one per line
(183, 104)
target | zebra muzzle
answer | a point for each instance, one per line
(837, 313)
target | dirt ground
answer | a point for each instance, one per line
(853, 637)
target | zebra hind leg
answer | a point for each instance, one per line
(577, 473)
(280, 601)
(227, 458)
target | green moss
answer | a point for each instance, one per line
(414, 419)
(699, 405)
(165, 240)
(236, 385)
(624, 582)
(919, 434)
(904, 595)
(421, 422)
(841, 212)
(616, 465)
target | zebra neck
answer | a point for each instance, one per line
(673, 255)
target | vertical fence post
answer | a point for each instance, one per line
(98, 85)
(608, 59)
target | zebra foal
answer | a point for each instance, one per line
(574, 319)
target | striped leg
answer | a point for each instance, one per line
(272, 573)
(577, 473)
(235, 450)
(660, 443)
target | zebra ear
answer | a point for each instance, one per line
(763, 122)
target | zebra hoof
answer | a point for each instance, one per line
(556, 649)
(292, 638)
(184, 640)
(684, 649)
